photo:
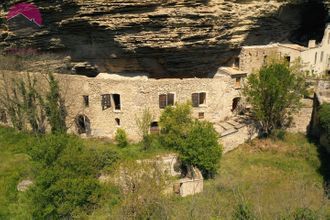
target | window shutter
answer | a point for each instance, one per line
(194, 98)
(162, 101)
(170, 99)
(202, 98)
(106, 101)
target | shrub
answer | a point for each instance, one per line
(121, 138)
(143, 124)
(66, 177)
(243, 212)
(274, 94)
(196, 141)
(201, 148)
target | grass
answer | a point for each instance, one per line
(274, 177)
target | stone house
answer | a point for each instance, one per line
(99, 106)
(316, 59)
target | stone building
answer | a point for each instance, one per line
(252, 58)
(316, 59)
(99, 106)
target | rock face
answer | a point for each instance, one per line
(165, 38)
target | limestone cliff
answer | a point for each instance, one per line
(165, 38)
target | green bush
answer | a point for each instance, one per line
(243, 212)
(66, 183)
(196, 141)
(121, 138)
(201, 148)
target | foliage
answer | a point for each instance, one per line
(305, 214)
(66, 182)
(196, 141)
(143, 123)
(324, 113)
(201, 148)
(121, 138)
(55, 107)
(142, 186)
(175, 124)
(274, 93)
(243, 212)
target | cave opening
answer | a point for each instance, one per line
(314, 16)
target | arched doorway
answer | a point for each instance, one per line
(83, 124)
(235, 103)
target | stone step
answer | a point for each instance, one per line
(228, 132)
(226, 125)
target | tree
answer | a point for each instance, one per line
(201, 148)
(143, 124)
(274, 93)
(196, 141)
(55, 107)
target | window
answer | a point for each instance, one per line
(106, 101)
(86, 100)
(116, 100)
(83, 124)
(238, 83)
(154, 128)
(287, 58)
(201, 115)
(265, 59)
(321, 58)
(236, 62)
(117, 122)
(315, 59)
(198, 99)
(166, 100)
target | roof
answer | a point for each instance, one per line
(294, 46)
(232, 71)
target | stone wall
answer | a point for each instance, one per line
(137, 94)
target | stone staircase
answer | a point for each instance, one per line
(232, 125)
(235, 131)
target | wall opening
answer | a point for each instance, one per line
(83, 124)
(198, 99)
(117, 121)
(116, 100)
(154, 128)
(166, 100)
(201, 115)
(287, 59)
(106, 101)
(3, 116)
(86, 100)
(235, 103)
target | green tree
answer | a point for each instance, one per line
(196, 141)
(274, 93)
(143, 124)
(55, 107)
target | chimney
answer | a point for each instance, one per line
(312, 44)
